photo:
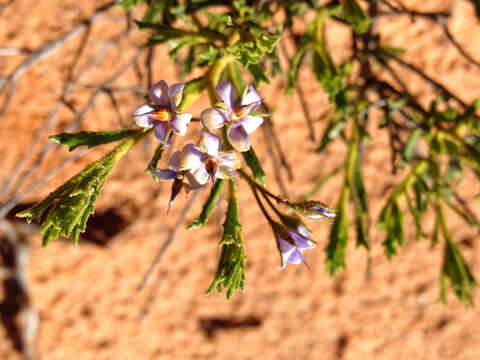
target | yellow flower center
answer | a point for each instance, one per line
(163, 115)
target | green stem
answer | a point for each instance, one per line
(262, 189)
(213, 75)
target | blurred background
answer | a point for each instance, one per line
(82, 65)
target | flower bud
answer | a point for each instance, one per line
(314, 210)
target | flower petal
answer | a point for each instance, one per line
(296, 257)
(175, 95)
(302, 230)
(180, 123)
(161, 132)
(301, 242)
(251, 123)
(159, 94)
(174, 161)
(238, 138)
(164, 174)
(227, 93)
(190, 158)
(210, 142)
(229, 160)
(252, 97)
(285, 247)
(197, 177)
(141, 116)
(213, 118)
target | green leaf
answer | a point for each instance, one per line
(231, 266)
(259, 73)
(127, 5)
(397, 52)
(356, 17)
(411, 143)
(334, 128)
(236, 77)
(417, 217)
(254, 164)
(360, 204)
(391, 220)
(457, 271)
(294, 66)
(337, 245)
(154, 11)
(91, 139)
(208, 206)
(254, 44)
(72, 203)
(209, 56)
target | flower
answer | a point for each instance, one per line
(235, 114)
(194, 178)
(292, 244)
(163, 115)
(208, 154)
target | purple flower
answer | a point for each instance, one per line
(292, 244)
(193, 178)
(235, 114)
(208, 155)
(163, 115)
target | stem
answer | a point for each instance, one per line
(213, 75)
(401, 188)
(272, 206)
(264, 211)
(262, 189)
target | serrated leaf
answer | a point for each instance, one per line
(259, 73)
(391, 220)
(231, 266)
(356, 17)
(91, 139)
(456, 270)
(72, 204)
(208, 207)
(254, 164)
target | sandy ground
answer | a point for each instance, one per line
(86, 296)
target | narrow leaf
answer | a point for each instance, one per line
(91, 139)
(356, 17)
(208, 206)
(254, 164)
(337, 245)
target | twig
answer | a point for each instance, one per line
(4, 210)
(44, 52)
(74, 125)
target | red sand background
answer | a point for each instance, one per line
(86, 296)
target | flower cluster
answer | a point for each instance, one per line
(196, 164)
(210, 158)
